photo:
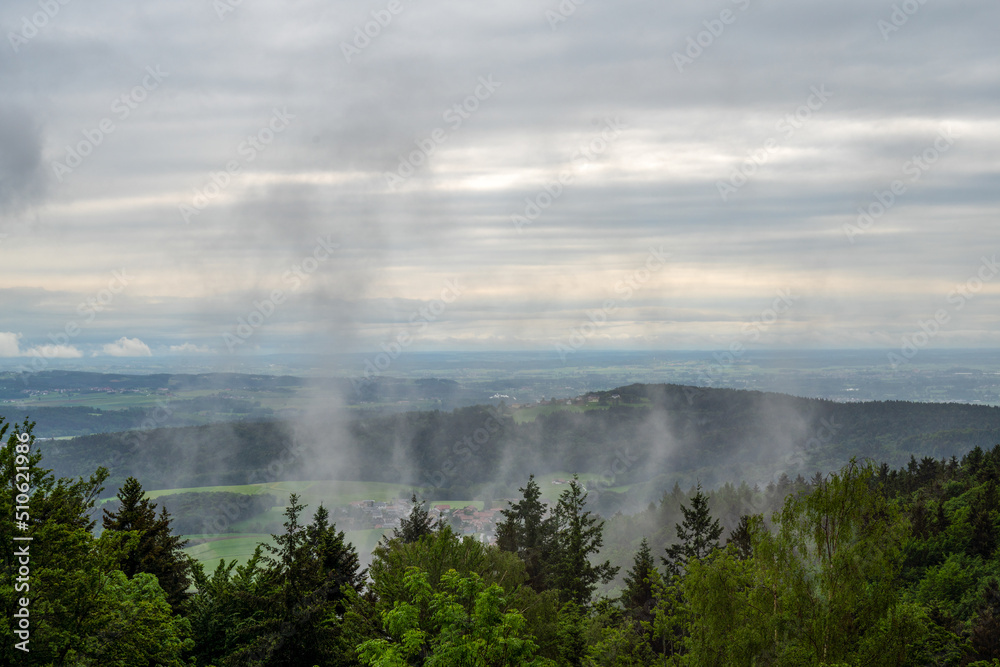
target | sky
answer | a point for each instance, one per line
(227, 178)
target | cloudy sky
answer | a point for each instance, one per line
(227, 177)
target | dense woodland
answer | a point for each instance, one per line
(868, 565)
(651, 437)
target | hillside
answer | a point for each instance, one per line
(658, 434)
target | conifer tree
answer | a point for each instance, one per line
(637, 598)
(579, 534)
(741, 538)
(698, 535)
(297, 601)
(416, 525)
(158, 551)
(527, 532)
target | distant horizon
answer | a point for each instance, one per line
(484, 177)
(413, 360)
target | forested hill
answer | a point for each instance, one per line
(659, 434)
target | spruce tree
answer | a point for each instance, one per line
(637, 599)
(416, 525)
(982, 512)
(579, 534)
(740, 538)
(985, 631)
(698, 535)
(158, 551)
(527, 532)
(300, 597)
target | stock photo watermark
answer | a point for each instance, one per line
(914, 168)
(780, 306)
(365, 34)
(714, 28)
(88, 309)
(822, 436)
(30, 27)
(465, 448)
(928, 329)
(598, 317)
(263, 309)
(787, 126)
(22, 521)
(421, 319)
(455, 116)
(544, 198)
(122, 107)
(900, 16)
(562, 12)
(248, 150)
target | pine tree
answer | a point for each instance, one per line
(416, 525)
(698, 535)
(579, 534)
(984, 532)
(527, 532)
(740, 538)
(298, 598)
(986, 625)
(158, 551)
(637, 599)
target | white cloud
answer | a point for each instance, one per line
(54, 352)
(190, 348)
(127, 347)
(9, 344)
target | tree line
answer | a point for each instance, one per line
(866, 565)
(649, 438)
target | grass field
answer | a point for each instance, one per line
(551, 492)
(332, 495)
(241, 546)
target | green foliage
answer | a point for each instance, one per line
(722, 431)
(288, 603)
(466, 622)
(197, 512)
(527, 532)
(620, 646)
(132, 626)
(698, 535)
(579, 535)
(158, 551)
(436, 554)
(637, 598)
(416, 525)
(822, 588)
(83, 611)
(867, 566)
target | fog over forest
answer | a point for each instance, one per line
(560, 333)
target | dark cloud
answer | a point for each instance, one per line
(23, 180)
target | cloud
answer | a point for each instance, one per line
(190, 348)
(9, 346)
(22, 175)
(54, 352)
(127, 347)
(656, 183)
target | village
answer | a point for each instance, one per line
(467, 520)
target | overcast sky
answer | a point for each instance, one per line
(496, 175)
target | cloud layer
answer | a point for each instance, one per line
(305, 176)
